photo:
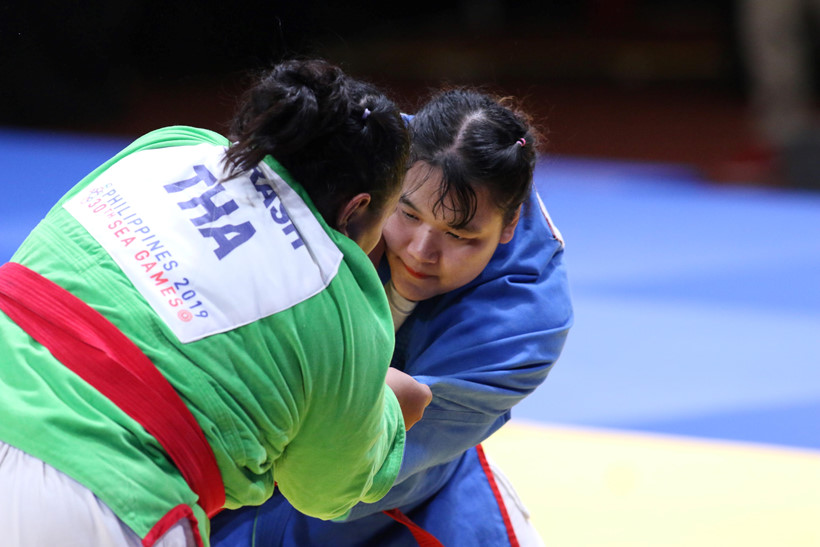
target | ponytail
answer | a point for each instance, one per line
(337, 136)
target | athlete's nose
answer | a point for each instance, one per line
(423, 246)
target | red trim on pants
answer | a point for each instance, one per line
(168, 520)
(501, 506)
(97, 351)
(426, 539)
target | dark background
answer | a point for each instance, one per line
(657, 80)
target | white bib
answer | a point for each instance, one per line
(207, 254)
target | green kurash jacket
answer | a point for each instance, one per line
(273, 328)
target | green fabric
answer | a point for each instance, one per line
(297, 397)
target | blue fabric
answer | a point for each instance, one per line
(481, 349)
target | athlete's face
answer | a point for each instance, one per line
(427, 256)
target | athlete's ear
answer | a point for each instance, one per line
(509, 230)
(350, 215)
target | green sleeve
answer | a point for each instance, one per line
(332, 463)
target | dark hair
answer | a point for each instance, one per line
(475, 140)
(335, 135)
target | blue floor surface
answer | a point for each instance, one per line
(697, 307)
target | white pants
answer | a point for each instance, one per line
(525, 532)
(40, 505)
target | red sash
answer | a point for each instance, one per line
(422, 536)
(91, 346)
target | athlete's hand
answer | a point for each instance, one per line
(413, 396)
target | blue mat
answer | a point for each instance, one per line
(698, 307)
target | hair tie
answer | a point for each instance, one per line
(522, 141)
(366, 113)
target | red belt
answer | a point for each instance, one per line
(96, 350)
